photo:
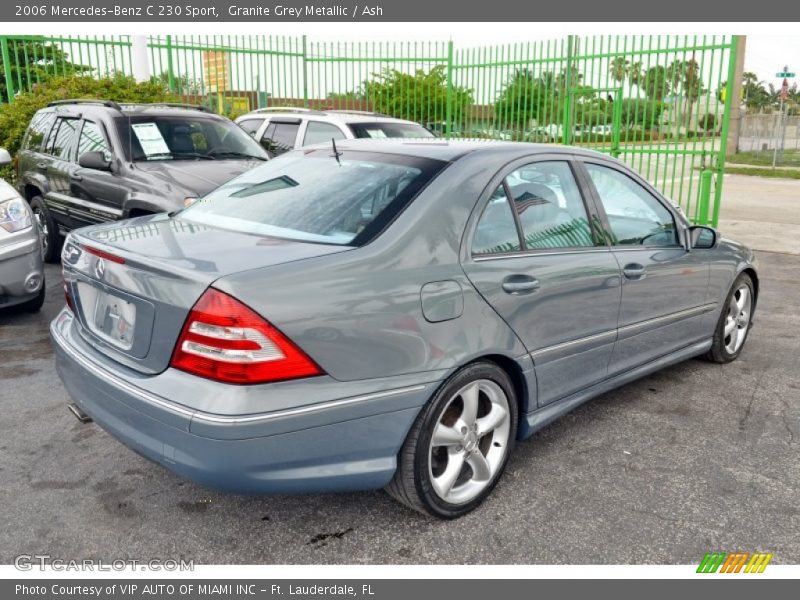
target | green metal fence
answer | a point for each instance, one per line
(660, 103)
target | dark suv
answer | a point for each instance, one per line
(90, 161)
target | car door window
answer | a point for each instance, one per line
(38, 130)
(93, 140)
(64, 139)
(635, 216)
(250, 126)
(549, 206)
(318, 132)
(496, 232)
(279, 137)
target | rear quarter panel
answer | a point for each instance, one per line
(358, 313)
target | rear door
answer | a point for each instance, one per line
(664, 284)
(538, 258)
(59, 169)
(97, 196)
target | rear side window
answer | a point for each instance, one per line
(542, 204)
(496, 232)
(93, 140)
(250, 126)
(389, 129)
(549, 206)
(37, 131)
(279, 137)
(316, 198)
(64, 139)
(318, 133)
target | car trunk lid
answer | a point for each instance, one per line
(134, 283)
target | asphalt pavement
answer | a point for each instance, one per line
(698, 457)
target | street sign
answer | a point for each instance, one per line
(784, 74)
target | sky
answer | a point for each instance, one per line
(767, 55)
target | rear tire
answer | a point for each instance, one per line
(734, 322)
(459, 445)
(48, 231)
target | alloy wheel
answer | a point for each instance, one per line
(470, 441)
(737, 320)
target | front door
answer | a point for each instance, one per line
(663, 284)
(539, 261)
(97, 195)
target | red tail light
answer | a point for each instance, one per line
(225, 340)
(106, 255)
(68, 297)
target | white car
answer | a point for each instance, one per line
(21, 267)
(280, 129)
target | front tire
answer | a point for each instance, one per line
(734, 322)
(35, 303)
(48, 230)
(459, 445)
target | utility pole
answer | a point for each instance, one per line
(735, 127)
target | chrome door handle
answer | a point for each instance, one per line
(634, 271)
(41, 165)
(520, 284)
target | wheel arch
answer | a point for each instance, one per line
(756, 284)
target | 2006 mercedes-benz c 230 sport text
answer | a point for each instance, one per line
(388, 314)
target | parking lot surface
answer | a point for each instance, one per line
(695, 458)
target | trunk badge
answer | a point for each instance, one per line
(100, 268)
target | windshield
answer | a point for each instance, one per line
(389, 129)
(314, 197)
(185, 137)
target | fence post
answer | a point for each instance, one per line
(617, 125)
(566, 127)
(7, 68)
(705, 197)
(449, 108)
(726, 121)
(305, 75)
(170, 70)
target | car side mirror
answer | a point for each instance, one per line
(702, 237)
(94, 160)
(5, 157)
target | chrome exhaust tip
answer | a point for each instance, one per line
(79, 414)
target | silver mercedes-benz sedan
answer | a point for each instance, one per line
(388, 314)
(21, 270)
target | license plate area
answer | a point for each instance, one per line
(117, 319)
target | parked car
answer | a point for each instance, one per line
(280, 129)
(90, 161)
(393, 314)
(21, 269)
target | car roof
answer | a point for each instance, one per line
(452, 149)
(127, 109)
(345, 116)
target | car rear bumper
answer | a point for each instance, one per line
(346, 444)
(21, 271)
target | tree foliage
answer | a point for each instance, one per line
(32, 62)
(420, 97)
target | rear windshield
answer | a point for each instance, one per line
(314, 197)
(389, 129)
(185, 137)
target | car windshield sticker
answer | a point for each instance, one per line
(150, 138)
(376, 133)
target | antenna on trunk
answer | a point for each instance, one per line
(336, 153)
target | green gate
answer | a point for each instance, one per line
(659, 103)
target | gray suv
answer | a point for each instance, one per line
(84, 162)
